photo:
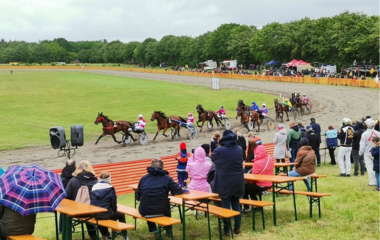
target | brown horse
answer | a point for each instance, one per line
(110, 127)
(204, 115)
(296, 102)
(280, 109)
(246, 114)
(164, 122)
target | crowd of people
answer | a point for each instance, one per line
(358, 141)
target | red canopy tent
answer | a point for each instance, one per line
(301, 62)
(295, 63)
(291, 63)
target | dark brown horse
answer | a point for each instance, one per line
(204, 115)
(296, 102)
(110, 127)
(246, 114)
(164, 122)
(280, 109)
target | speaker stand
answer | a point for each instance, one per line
(67, 151)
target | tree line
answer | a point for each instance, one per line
(331, 40)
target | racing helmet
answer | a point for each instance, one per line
(221, 106)
(346, 121)
(264, 104)
(189, 114)
(286, 100)
(140, 116)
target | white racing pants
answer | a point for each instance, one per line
(344, 159)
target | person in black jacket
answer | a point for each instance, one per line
(84, 174)
(241, 142)
(345, 135)
(66, 175)
(229, 176)
(313, 141)
(358, 160)
(153, 191)
(317, 130)
(104, 195)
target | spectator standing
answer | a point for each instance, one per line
(84, 175)
(280, 144)
(376, 163)
(317, 130)
(153, 194)
(293, 139)
(215, 141)
(358, 160)
(303, 130)
(346, 135)
(198, 168)
(104, 195)
(365, 147)
(241, 142)
(229, 176)
(313, 140)
(332, 143)
(182, 158)
(305, 163)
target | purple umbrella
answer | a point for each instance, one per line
(31, 189)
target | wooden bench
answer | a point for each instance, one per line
(25, 237)
(118, 228)
(255, 204)
(221, 213)
(163, 221)
(314, 197)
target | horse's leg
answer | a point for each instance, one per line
(287, 116)
(102, 135)
(203, 122)
(258, 124)
(158, 130)
(178, 129)
(114, 138)
(165, 132)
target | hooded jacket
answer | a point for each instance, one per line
(313, 140)
(332, 138)
(229, 173)
(153, 191)
(305, 163)
(263, 164)
(83, 178)
(67, 174)
(294, 136)
(255, 107)
(375, 155)
(198, 167)
(104, 195)
(280, 144)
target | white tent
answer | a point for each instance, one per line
(302, 67)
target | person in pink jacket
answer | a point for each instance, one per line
(198, 168)
(263, 164)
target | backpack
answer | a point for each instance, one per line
(83, 195)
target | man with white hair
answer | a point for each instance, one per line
(346, 136)
(365, 148)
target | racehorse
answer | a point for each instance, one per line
(204, 115)
(110, 127)
(164, 122)
(280, 109)
(244, 111)
(296, 102)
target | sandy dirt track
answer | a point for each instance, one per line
(331, 104)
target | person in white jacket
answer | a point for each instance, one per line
(365, 149)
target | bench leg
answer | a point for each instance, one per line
(220, 228)
(56, 225)
(294, 203)
(311, 206)
(262, 218)
(159, 232)
(319, 207)
(81, 224)
(274, 205)
(253, 219)
(180, 212)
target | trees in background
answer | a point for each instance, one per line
(332, 40)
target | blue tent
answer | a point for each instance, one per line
(272, 62)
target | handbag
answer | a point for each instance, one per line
(288, 154)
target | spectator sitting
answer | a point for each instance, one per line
(206, 147)
(104, 195)
(153, 191)
(305, 163)
(241, 142)
(84, 174)
(12, 223)
(198, 168)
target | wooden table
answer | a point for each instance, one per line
(194, 195)
(275, 180)
(277, 165)
(71, 209)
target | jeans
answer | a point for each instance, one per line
(294, 154)
(369, 166)
(182, 176)
(232, 201)
(296, 174)
(332, 155)
(377, 176)
(358, 161)
(344, 152)
(318, 155)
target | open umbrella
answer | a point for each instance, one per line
(31, 189)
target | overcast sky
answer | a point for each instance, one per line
(136, 20)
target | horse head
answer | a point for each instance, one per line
(199, 108)
(99, 118)
(241, 103)
(154, 116)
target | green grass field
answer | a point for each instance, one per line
(32, 102)
(352, 212)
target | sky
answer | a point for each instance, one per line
(136, 20)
